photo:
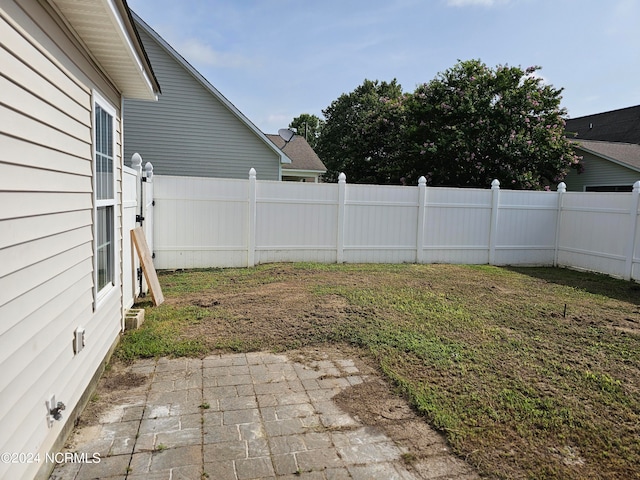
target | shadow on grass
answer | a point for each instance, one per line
(594, 283)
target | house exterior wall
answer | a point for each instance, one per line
(189, 132)
(46, 231)
(599, 172)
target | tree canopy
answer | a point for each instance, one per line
(362, 133)
(473, 124)
(308, 126)
(468, 126)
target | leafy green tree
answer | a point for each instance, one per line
(363, 132)
(308, 126)
(473, 124)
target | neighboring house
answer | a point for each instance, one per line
(621, 125)
(66, 66)
(608, 167)
(609, 143)
(193, 130)
(305, 164)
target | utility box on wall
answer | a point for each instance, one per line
(78, 340)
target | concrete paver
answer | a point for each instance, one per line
(242, 417)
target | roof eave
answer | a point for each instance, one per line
(302, 171)
(608, 158)
(114, 46)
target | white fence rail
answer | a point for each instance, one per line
(208, 222)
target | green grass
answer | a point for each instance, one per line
(529, 372)
(162, 335)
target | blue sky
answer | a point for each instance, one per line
(276, 59)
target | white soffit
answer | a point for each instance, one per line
(100, 26)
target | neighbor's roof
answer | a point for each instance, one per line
(302, 156)
(621, 125)
(115, 45)
(284, 159)
(626, 154)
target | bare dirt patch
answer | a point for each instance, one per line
(118, 387)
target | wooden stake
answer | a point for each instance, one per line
(140, 242)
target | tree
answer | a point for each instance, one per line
(308, 126)
(362, 134)
(472, 124)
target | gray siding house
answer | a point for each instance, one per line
(608, 167)
(193, 130)
(61, 234)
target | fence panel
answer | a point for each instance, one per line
(526, 228)
(380, 225)
(457, 225)
(200, 222)
(296, 222)
(635, 254)
(207, 222)
(594, 230)
(130, 288)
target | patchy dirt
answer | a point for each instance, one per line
(116, 382)
(283, 313)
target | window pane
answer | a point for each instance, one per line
(104, 154)
(104, 177)
(104, 250)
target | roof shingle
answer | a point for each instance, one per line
(300, 152)
(627, 154)
(621, 125)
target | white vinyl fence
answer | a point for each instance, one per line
(209, 222)
(137, 210)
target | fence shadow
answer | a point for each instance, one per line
(595, 283)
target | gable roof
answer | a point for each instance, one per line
(302, 156)
(621, 125)
(625, 154)
(106, 29)
(284, 159)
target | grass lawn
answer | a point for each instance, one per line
(529, 372)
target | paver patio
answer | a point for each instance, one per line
(241, 417)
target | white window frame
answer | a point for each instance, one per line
(100, 293)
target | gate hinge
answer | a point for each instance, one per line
(139, 218)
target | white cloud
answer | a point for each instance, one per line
(200, 53)
(536, 75)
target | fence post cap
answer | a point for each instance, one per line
(342, 178)
(562, 187)
(136, 162)
(495, 184)
(636, 186)
(252, 172)
(148, 170)
(422, 180)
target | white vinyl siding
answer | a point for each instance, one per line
(47, 273)
(599, 172)
(189, 132)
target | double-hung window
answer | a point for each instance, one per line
(104, 192)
